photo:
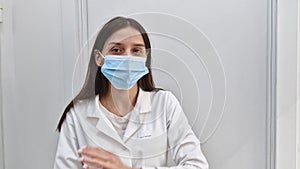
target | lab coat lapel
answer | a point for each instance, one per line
(107, 128)
(133, 125)
(142, 108)
(103, 124)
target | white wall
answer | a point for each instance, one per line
(238, 31)
(286, 142)
(38, 46)
(298, 97)
(1, 118)
(31, 80)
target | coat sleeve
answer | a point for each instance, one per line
(66, 154)
(184, 146)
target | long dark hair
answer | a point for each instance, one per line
(95, 82)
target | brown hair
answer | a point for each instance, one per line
(95, 82)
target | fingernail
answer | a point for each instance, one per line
(85, 166)
(80, 150)
(80, 159)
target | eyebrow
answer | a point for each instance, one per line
(118, 43)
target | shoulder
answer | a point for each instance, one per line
(165, 96)
(164, 100)
(85, 104)
(81, 107)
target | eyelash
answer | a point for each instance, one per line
(139, 50)
(136, 50)
(114, 50)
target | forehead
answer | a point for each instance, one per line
(126, 35)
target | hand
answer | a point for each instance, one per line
(95, 158)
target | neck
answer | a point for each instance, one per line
(120, 102)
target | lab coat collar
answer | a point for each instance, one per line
(143, 103)
(143, 106)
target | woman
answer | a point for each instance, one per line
(119, 120)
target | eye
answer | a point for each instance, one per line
(116, 50)
(138, 51)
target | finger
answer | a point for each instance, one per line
(91, 167)
(96, 163)
(95, 153)
(95, 150)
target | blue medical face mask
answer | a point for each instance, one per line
(124, 71)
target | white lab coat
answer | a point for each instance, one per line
(157, 129)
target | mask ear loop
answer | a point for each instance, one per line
(96, 53)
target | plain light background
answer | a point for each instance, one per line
(288, 104)
(40, 41)
(239, 35)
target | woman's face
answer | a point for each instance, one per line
(126, 41)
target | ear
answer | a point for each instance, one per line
(99, 59)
